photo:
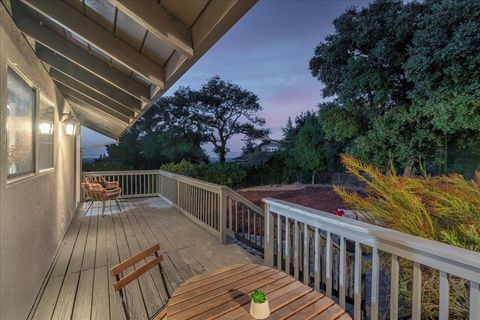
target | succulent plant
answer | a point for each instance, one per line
(258, 296)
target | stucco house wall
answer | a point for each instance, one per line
(35, 210)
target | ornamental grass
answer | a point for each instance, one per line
(441, 208)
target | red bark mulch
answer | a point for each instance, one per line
(321, 198)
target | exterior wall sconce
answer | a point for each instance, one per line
(70, 125)
(45, 128)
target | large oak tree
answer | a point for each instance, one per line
(223, 110)
(404, 80)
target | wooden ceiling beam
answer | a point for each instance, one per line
(64, 65)
(160, 22)
(98, 127)
(88, 94)
(98, 108)
(72, 20)
(82, 58)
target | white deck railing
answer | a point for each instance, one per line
(217, 208)
(323, 250)
(134, 184)
(293, 240)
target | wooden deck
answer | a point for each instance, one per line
(79, 285)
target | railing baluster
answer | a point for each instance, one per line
(296, 249)
(287, 246)
(207, 206)
(417, 292)
(279, 242)
(236, 218)
(204, 205)
(131, 184)
(375, 285)
(341, 278)
(194, 202)
(269, 237)
(444, 296)
(306, 254)
(212, 210)
(317, 270)
(357, 287)
(199, 204)
(255, 228)
(230, 214)
(248, 224)
(394, 279)
(328, 264)
(243, 222)
(474, 300)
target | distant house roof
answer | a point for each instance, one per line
(242, 158)
(270, 142)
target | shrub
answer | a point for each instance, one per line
(184, 167)
(226, 174)
(442, 208)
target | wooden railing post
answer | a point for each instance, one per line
(222, 211)
(269, 236)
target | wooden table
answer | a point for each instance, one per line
(225, 294)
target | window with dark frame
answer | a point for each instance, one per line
(20, 126)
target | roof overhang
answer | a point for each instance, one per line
(112, 59)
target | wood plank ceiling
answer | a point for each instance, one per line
(112, 59)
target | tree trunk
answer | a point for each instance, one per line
(221, 155)
(313, 178)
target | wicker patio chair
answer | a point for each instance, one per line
(88, 197)
(102, 181)
(98, 193)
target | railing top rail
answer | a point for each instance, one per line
(192, 181)
(119, 173)
(239, 198)
(457, 261)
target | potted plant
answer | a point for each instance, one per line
(259, 308)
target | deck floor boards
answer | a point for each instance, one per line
(80, 286)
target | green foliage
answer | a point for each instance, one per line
(102, 164)
(184, 168)
(226, 174)
(338, 123)
(398, 136)
(163, 147)
(307, 150)
(259, 296)
(264, 168)
(308, 147)
(404, 78)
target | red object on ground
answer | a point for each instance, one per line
(340, 212)
(320, 198)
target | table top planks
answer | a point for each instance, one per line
(225, 294)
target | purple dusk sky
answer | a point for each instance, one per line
(266, 52)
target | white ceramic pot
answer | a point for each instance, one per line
(260, 310)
